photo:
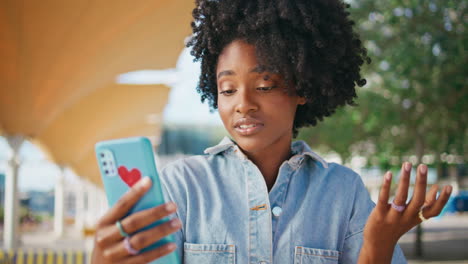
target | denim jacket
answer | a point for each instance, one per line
(314, 213)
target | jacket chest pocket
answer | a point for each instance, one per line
(303, 255)
(209, 253)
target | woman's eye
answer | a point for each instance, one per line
(267, 88)
(227, 92)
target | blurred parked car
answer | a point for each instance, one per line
(461, 202)
(457, 203)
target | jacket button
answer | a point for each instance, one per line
(277, 211)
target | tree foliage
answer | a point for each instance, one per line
(416, 99)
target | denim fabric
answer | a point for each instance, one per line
(228, 215)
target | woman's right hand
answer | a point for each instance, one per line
(109, 243)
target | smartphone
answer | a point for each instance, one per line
(122, 162)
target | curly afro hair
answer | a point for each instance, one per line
(310, 43)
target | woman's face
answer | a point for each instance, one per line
(254, 105)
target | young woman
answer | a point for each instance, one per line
(271, 67)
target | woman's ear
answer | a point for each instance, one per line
(302, 101)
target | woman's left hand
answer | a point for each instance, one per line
(388, 222)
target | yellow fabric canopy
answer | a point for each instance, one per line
(106, 113)
(59, 60)
(55, 52)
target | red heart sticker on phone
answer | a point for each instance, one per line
(129, 177)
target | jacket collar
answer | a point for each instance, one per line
(300, 149)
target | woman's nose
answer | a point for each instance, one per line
(246, 102)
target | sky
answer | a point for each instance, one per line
(37, 173)
(183, 81)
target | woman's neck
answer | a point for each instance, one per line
(270, 159)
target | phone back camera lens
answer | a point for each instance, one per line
(104, 163)
(106, 171)
(102, 155)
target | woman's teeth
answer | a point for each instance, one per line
(246, 126)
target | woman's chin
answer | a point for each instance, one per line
(250, 145)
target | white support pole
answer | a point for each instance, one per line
(79, 206)
(96, 204)
(103, 200)
(86, 203)
(90, 215)
(11, 220)
(59, 203)
(90, 204)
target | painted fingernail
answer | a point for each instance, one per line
(99, 239)
(448, 189)
(175, 223)
(388, 176)
(170, 207)
(145, 182)
(171, 246)
(423, 168)
(407, 166)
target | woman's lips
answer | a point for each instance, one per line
(248, 126)
(247, 130)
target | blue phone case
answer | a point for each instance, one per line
(122, 163)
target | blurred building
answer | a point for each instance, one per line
(188, 140)
(41, 202)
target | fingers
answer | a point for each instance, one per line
(143, 239)
(402, 192)
(141, 219)
(126, 202)
(135, 222)
(382, 204)
(438, 205)
(150, 255)
(391, 222)
(431, 196)
(419, 190)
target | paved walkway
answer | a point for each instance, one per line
(445, 241)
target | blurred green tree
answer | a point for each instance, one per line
(418, 49)
(416, 99)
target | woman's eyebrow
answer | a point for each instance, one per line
(256, 69)
(223, 73)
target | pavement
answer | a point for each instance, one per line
(445, 241)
